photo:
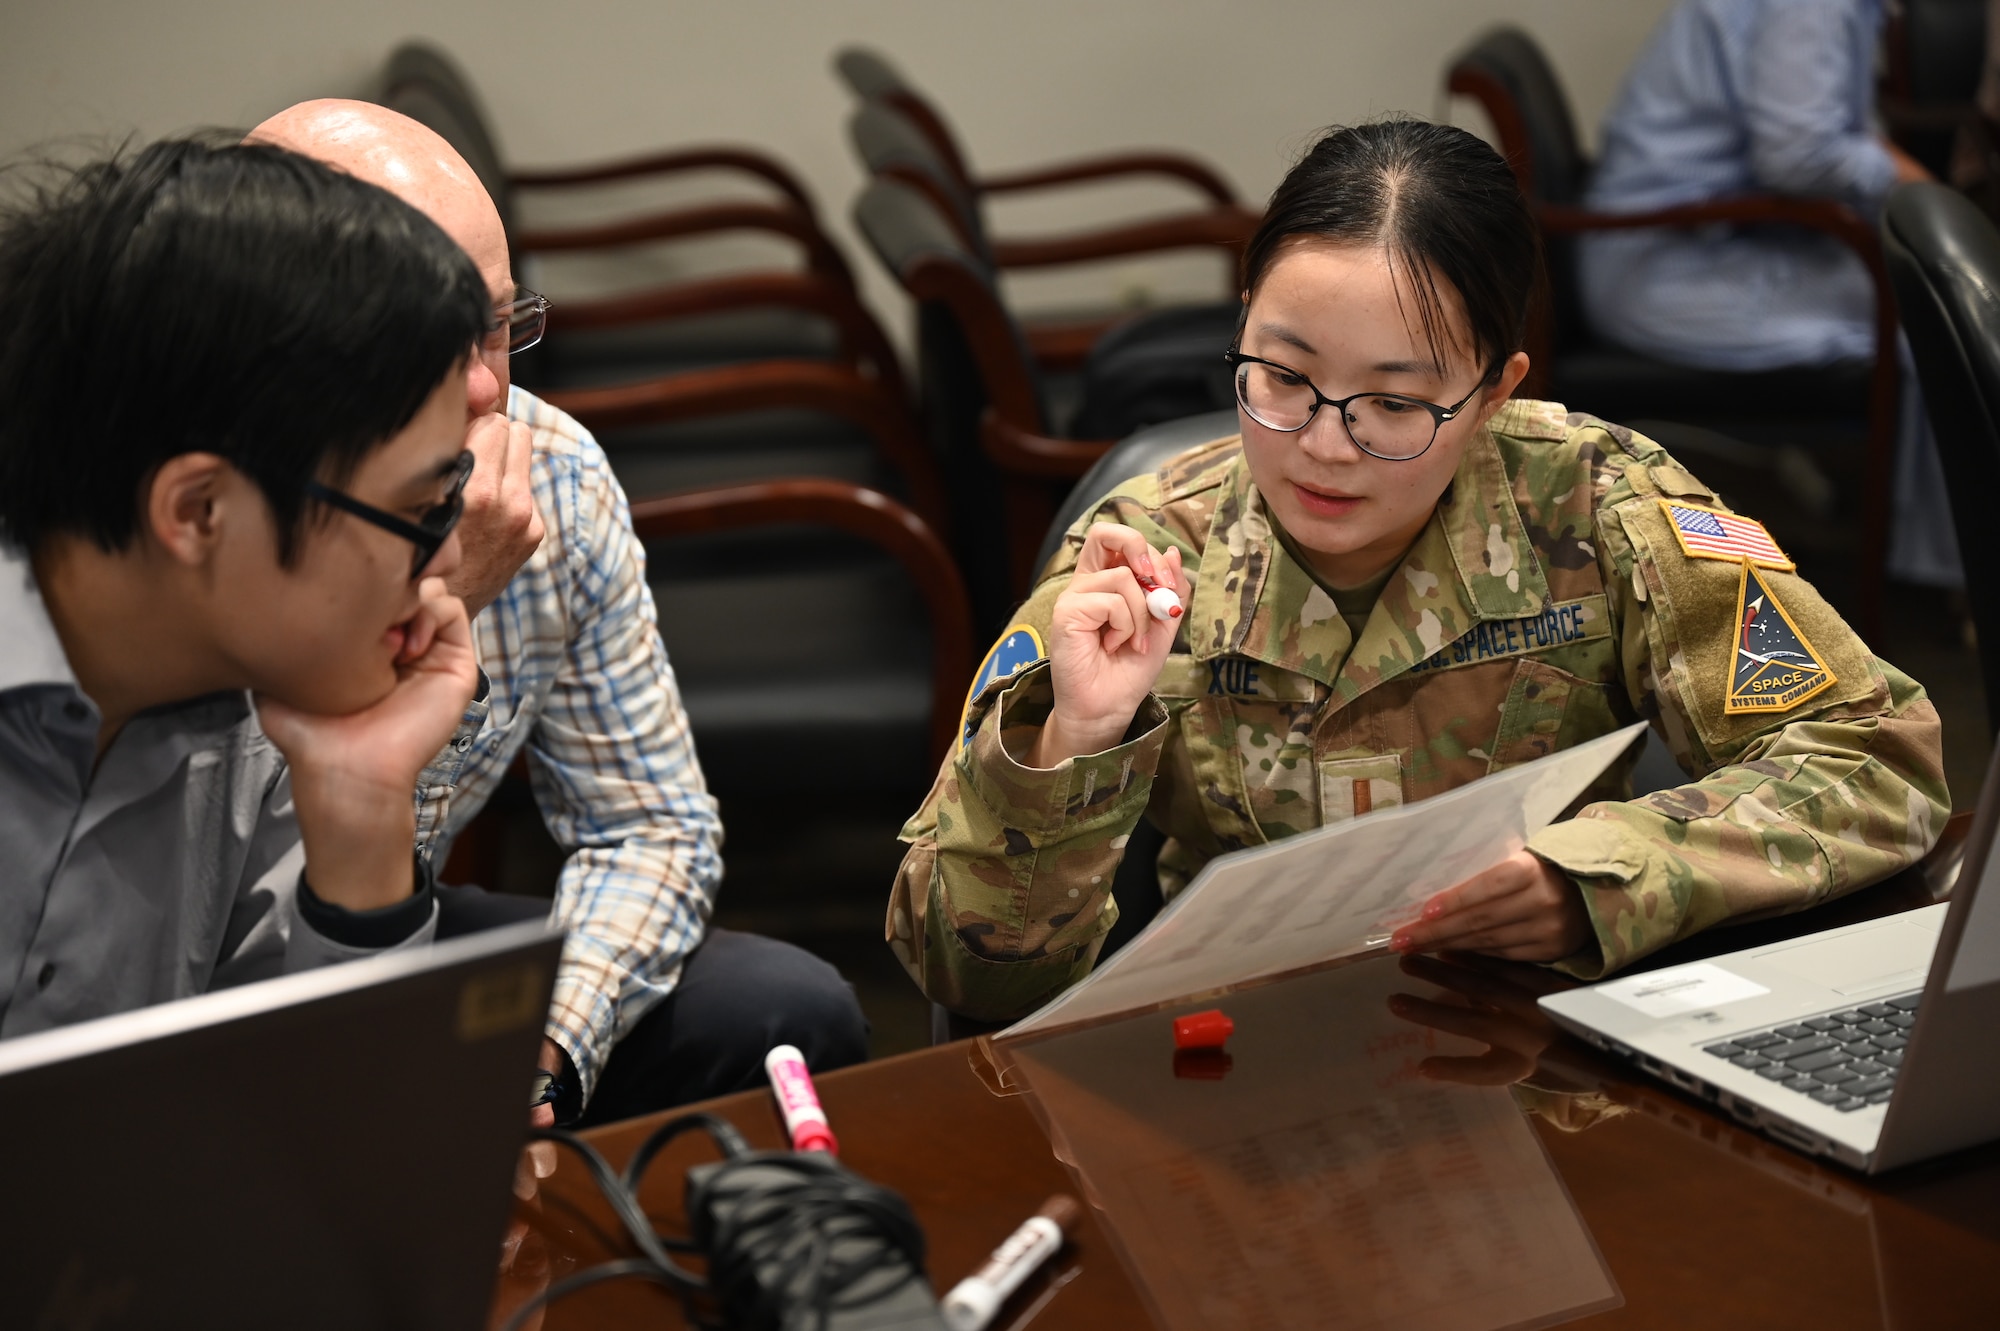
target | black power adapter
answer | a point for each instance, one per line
(794, 1241)
(797, 1242)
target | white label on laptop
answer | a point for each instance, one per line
(1679, 989)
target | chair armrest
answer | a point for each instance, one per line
(862, 339)
(747, 160)
(1174, 165)
(1884, 381)
(1065, 344)
(778, 219)
(805, 385)
(868, 514)
(1023, 452)
(1228, 226)
(1835, 219)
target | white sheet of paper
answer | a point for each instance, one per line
(1678, 989)
(1327, 893)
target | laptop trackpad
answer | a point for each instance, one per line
(1855, 963)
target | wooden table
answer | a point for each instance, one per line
(1700, 1222)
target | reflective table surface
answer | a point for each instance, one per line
(1439, 1156)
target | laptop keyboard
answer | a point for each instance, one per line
(1844, 1059)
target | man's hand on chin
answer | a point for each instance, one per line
(501, 528)
(354, 776)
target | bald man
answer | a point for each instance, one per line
(652, 1008)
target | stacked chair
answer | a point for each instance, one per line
(985, 402)
(792, 516)
(1220, 220)
(1010, 430)
(1506, 72)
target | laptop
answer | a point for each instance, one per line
(329, 1149)
(1872, 1044)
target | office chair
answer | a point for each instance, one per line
(1005, 462)
(1944, 258)
(798, 677)
(1507, 73)
(1061, 343)
(811, 313)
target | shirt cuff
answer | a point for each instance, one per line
(1046, 804)
(371, 930)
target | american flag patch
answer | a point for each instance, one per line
(1706, 534)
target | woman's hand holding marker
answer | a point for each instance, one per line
(1109, 634)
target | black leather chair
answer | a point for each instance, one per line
(1944, 257)
(1507, 73)
(1006, 464)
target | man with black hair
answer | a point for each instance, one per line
(232, 408)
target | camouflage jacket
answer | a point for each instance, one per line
(1550, 599)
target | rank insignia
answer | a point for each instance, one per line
(1776, 669)
(1019, 647)
(1707, 534)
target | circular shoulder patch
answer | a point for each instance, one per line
(1019, 647)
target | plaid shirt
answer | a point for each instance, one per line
(580, 680)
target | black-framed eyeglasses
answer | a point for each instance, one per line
(523, 320)
(1390, 426)
(428, 532)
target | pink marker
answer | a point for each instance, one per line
(805, 1121)
(1160, 598)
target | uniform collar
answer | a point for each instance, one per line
(30, 651)
(1471, 563)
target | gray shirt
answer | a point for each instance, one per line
(172, 869)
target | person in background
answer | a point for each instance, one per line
(1397, 579)
(652, 1007)
(232, 413)
(1759, 97)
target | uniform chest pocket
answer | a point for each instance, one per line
(1547, 709)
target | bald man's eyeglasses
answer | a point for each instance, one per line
(521, 321)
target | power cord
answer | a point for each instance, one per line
(794, 1241)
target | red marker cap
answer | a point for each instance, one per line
(1203, 1030)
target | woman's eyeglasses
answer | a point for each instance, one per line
(430, 531)
(1389, 426)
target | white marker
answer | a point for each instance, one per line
(973, 1301)
(1160, 598)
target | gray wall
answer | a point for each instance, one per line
(1241, 84)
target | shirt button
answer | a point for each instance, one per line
(48, 973)
(465, 744)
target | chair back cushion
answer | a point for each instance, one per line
(868, 74)
(1541, 142)
(422, 83)
(1944, 262)
(1136, 455)
(889, 144)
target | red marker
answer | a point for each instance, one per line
(805, 1121)
(1161, 601)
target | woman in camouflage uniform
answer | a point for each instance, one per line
(1397, 580)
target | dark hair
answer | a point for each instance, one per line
(1441, 201)
(203, 296)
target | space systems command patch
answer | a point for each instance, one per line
(1776, 668)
